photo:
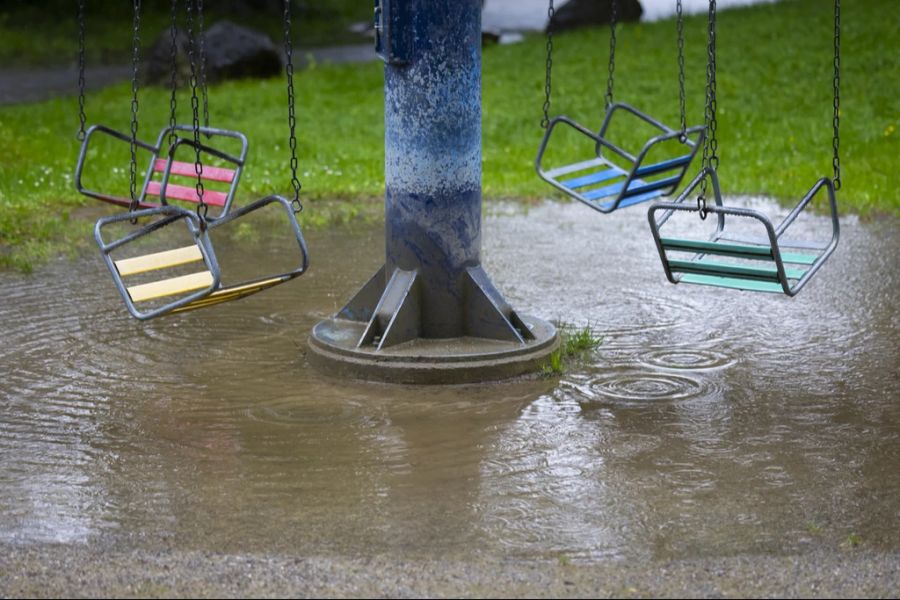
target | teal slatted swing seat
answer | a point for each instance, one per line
(612, 177)
(767, 262)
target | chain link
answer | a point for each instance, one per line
(836, 121)
(613, 20)
(292, 118)
(201, 35)
(82, 116)
(679, 24)
(548, 77)
(173, 102)
(202, 208)
(711, 144)
(135, 62)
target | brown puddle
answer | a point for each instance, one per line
(710, 422)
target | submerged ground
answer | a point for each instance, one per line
(716, 443)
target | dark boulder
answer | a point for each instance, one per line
(589, 13)
(232, 52)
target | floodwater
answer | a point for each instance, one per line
(709, 423)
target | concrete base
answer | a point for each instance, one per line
(335, 349)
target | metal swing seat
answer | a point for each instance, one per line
(770, 262)
(157, 188)
(187, 276)
(608, 177)
(605, 184)
(198, 289)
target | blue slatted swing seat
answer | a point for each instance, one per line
(607, 177)
(606, 185)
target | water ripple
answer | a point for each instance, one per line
(687, 358)
(633, 386)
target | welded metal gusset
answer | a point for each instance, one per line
(393, 311)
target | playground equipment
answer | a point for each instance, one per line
(157, 188)
(203, 288)
(754, 263)
(610, 177)
(431, 314)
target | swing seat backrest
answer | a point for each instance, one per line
(186, 191)
(156, 189)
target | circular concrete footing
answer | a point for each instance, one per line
(333, 349)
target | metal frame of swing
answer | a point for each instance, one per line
(168, 166)
(746, 275)
(196, 290)
(630, 189)
(601, 183)
(202, 288)
(703, 265)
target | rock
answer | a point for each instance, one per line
(489, 37)
(232, 52)
(590, 13)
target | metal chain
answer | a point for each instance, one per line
(711, 144)
(202, 208)
(545, 122)
(613, 20)
(292, 118)
(82, 116)
(135, 62)
(173, 103)
(202, 37)
(679, 23)
(836, 121)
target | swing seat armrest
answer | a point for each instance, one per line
(292, 220)
(823, 183)
(538, 162)
(633, 111)
(235, 160)
(209, 132)
(82, 155)
(694, 137)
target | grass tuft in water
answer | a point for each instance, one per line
(575, 344)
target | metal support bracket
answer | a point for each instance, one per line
(392, 42)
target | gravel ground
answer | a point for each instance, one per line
(85, 571)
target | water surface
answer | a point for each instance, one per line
(710, 422)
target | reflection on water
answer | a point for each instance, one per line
(709, 422)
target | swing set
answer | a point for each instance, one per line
(204, 287)
(767, 261)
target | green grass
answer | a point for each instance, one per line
(774, 119)
(575, 344)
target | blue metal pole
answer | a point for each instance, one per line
(431, 314)
(432, 111)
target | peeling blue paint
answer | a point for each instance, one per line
(433, 156)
